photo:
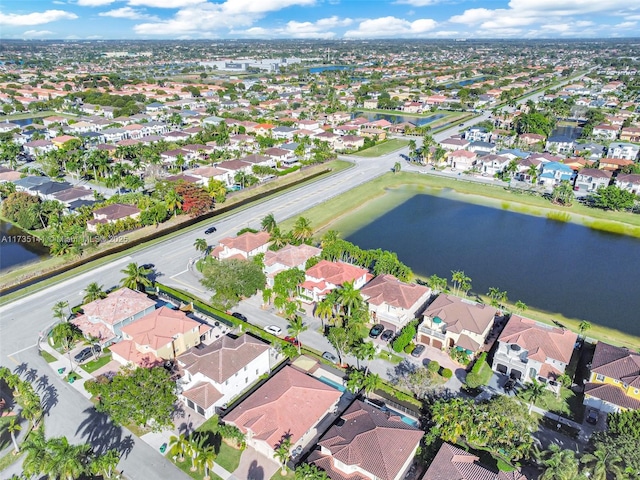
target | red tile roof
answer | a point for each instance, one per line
(291, 255)
(611, 394)
(203, 394)
(246, 242)
(289, 403)
(159, 327)
(461, 314)
(336, 273)
(617, 363)
(118, 306)
(129, 352)
(388, 289)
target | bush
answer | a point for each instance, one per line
(447, 373)
(480, 373)
(405, 338)
(433, 366)
(409, 348)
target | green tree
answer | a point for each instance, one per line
(268, 223)
(295, 328)
(231, 280)
(520, 306)
(136, 277)
(584, 326)
(302, 230)
(601, 463)
(59, 310)
(65, 334)
(173, 201)
(436, 283)
(143, 396)
(533, 392)
(105, 464)
(460, 280)
(563, 193)
(217, 189)
(179, 446)
(397, 167)
(282, 454)
(206, 460)
(201, 245)
(339, 339)
(66, 460)
(364, 351)
(14, 427)
(93, 292)
(308, 471)
(559, 464)
(349, 297)
(324, 310)
(613, 198)
(371, 382)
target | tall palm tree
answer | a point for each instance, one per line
(64, 334)
(59, 310)
(135, 276)
(295, 328)
(370, 383)
(302, 230)
(173, 201)
(583, 327)
(520, 306)
(460, 280)
(560, 464)
(36, 454)
(14, 426)
(600, 463)
(178, 446)
(268, 223)
(324, 310)
(93, 292)
(196, 445)
(364, 351)
(201, 245)
(106, 464)
(67, 461)
(206, 460)
(282, 453)
(533, 392)
(349, 297)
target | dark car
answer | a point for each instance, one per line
(239, 316)
(509, 385)
(416, 352)
(386, 335)
(86, 353)
(148, 266)
(210, 230)
(592, 417)
(291, 340)
(376, 330)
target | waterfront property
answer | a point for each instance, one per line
(326, 276)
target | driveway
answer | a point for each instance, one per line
(255, 466)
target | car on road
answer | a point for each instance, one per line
(292, 340)
(86, 353)
(386, 335)
(592, 417)
(376, 330)
(416, 352)
(330, 357)
(273, 330)
(239, 316)
(148, 266)
(461, 124)
(210, 230)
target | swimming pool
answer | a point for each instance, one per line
(331, 383)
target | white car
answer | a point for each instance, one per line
(273, 330)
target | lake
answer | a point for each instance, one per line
(552, 266)
(329, 68)
(463, 83)
(22, 122)
(417, 121)
(18, 247)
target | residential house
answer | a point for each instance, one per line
(453, 463)
(47, 190)
(528, 350)
(70, 195)
(591, 151)
(559, 144)
(451, 321)
(288, 257)
(630, 134)
(283, 133)
(394, 303)
(614, 164)
(371, 103)
(477, 134)
(614, 384)
(367, 443)
(349, 142)
(162, 334)
(629, 182)
(627, 151)
(605, 131)
(278, 154)
(482, 147)
(531, 138)
(462, 159)
(204, 174)
(28, 183)
(38, 147)
(104, 318)
(261, 160)
(111, 214)
(493, 164)
(60, 141)
(555, 172)
(215, 374)
(290, 405)
(453, 144)
(591, 179)
(244, 246)
(326, 276)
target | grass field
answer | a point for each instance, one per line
(44, 114)
(94, 365)
(383, 148)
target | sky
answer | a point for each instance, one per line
(317, 19)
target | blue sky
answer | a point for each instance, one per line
(328, 19)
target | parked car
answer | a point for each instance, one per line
(386, 335)
(210, 230)
(509, 385)
(86, 353)
(330, 357)
(273, 330)
(592, 417)
(292, 340)
(376, 330)
(416, 352)
(148, 266)
(239, 316)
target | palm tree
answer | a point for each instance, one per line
(302, 230)
(178, 446)
(584, 326)
(349, 297)
(93, 292)
(37, 455)
(135, 276)
(67, 461)
(173, 201)
(58, 310)
(396, 167)
(370, 383)
(324, 310)
(196, 445)
(14, 426)
(364, 351)
(329, 237)
(64, 334)
(520, 306)
(201, 245)
(282, 453)
(560, 464)
(600, 463)
(206, 459)
(355, 381)
(459, 279)
(295, 328)
(268, 223)
(436, 283)
(533, 392)
(533, 174)
(106, 464)
(308, 471)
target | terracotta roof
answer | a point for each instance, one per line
(336, 273)
(254, 159)
(223, 358)
(541, 341)
(246, 242)
(233, 165)
(291, 255)
(617, 363)
(453, 463)
(118, 305)
(611, 394)
(362, 437)
(461, 314)
(97, 330)
(203, 394)
(116, 211)
(388, 289)
(130, 353)
(157, 329)
(289, 403)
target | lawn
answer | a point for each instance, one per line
(94, 365)
(289, 476)
(47, 356)
(228, 457)
(568, 404)
(389, 357)
(383, 148)
(198, 475)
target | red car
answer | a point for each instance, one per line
(292, 340)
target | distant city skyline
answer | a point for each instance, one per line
(317, 19)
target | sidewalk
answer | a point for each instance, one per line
(62, 362)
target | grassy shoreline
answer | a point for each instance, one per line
(323, 216)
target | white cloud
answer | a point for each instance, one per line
(626, 25)
(391, 27)
(164, 3)
(416, 3)
(36, 18)
(293, 29)
(36, 33)
(261, 6)
(94, 3)
(128, 12)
